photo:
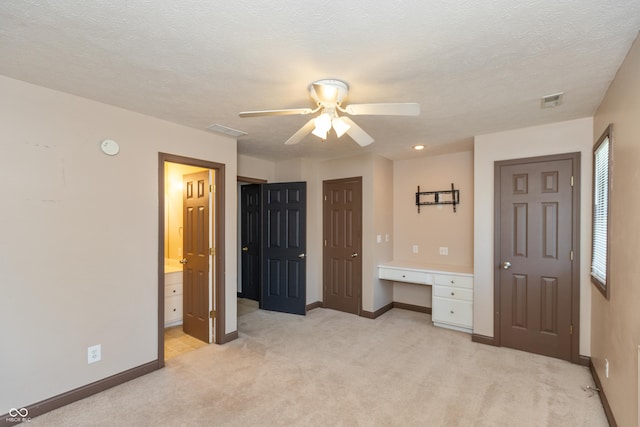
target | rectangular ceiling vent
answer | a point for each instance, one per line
(225, 130)
(551, 101)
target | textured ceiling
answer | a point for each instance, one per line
(474, 66)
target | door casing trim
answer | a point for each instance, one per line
(218, 243)
(575, 243)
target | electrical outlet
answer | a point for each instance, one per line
(94, 353)
(606, 368)
(386, 237)
(379, 238)
(415, 249)
(444, 250)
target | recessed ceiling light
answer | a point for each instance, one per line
(225, 130)
(553, 100)
(419, 147)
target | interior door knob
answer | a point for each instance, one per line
(245, 249)
(354, 255)
(301, 256)
(183, 261)
(506, 265)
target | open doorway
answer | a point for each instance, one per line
(249, 231)
(190, 256)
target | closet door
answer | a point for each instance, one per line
(284, 213)
(250, 234)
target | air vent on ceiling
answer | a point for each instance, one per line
(225, 130)
(550, 101)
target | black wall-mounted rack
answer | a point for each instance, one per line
(454, 199)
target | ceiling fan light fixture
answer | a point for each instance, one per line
(323, 125)
(339, 126)
(328, 91)
(319, 133)
(329, 95)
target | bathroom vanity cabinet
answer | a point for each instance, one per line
(172, 299)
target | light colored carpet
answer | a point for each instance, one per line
(246, 306)
(335, 369)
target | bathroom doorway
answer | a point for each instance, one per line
(190, 263)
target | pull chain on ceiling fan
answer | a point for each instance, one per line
(329, 94)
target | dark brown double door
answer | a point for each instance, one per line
(342, 245)
(536, 248)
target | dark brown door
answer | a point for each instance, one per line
(196, 255)
(342, 236)
(284, 243)
(250, 241)
(535, 250)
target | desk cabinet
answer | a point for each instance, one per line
(451, 292)
(452, 299)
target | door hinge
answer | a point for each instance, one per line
(572, 180)
(212, 251)
(325, 242)
(325, 197)
(570, 329)
(212, 314)
(571, 255)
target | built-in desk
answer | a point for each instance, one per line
(451, 290)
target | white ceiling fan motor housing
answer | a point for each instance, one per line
(328, 92)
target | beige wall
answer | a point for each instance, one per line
(616, 323)
(435, 226)
(251, 167)
(383, 188)
(79, 246)
(564, 137)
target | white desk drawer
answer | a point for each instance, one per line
(173, 290)
(454, 312)
(453, 293)
(401, 275)
(453, 280)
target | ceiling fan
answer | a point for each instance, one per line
(329, 94)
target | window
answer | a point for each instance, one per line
(602, 165)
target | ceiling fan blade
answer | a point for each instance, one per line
(301, 133)
(356, 132)
(287, 112)
(385, 109)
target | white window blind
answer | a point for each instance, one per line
(600, 212)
